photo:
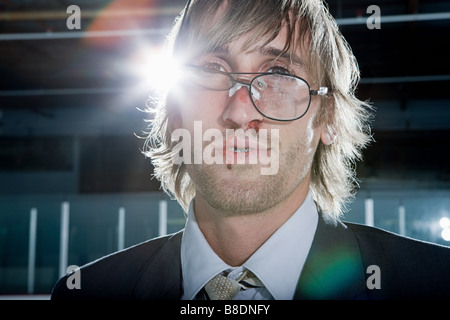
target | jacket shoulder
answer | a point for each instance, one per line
(390, 242)
(409, 268)
(117, 275)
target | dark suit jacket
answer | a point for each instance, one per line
(337, 267)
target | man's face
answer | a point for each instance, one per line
(233, 187)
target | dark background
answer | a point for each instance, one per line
(70, 105)
(70, 115)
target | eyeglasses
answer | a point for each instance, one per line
(276, 96)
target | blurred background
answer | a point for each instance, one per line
(74, 185)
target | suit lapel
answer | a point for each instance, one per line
(161, 278)
(333, 269)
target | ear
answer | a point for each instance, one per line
(328, 135)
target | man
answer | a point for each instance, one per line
(256, 142)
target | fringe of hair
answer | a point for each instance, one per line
(333, 178)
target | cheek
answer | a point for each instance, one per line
(311, 131)
(302, 133)
(311, 135)
(201, 106)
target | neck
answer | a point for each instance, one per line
(234, 238)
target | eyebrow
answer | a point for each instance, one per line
(269, 51)
(277, 53)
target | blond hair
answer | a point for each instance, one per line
(331, 62)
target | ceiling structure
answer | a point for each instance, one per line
(48, 70)
(39, 55)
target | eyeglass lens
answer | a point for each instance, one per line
(276, 96)
(280, 97)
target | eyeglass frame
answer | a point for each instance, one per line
(321, 92)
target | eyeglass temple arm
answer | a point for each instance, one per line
(321, 92)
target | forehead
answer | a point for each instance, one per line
(276, 48)
(218, 25)
(281, 48)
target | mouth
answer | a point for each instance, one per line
(239, 150)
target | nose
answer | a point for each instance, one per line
(240, 111)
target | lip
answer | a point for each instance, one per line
(241, 150)
(239, 144)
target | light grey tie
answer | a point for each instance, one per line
(224, 288)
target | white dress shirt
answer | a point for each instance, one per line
(277, 263)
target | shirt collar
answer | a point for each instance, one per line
(199, 263)
(287, 248)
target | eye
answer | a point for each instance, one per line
(213, 66)
(280, 70)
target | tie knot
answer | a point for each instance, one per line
(223, 288)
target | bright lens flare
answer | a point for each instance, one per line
(445, 234)
(444, 223)
(155, 70)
